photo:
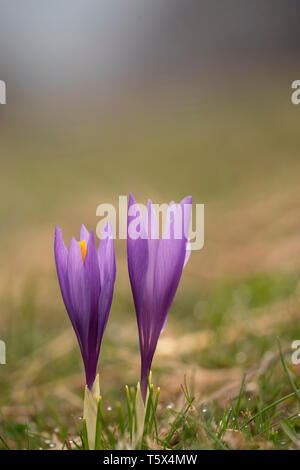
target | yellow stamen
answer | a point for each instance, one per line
(82, 245)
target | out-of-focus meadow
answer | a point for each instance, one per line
(230, 141)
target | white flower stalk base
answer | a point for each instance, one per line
(140, 410)
(90, 411)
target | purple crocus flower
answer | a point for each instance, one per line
(86, 278)
(155, 267)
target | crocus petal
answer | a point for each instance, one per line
(80, 312)
(79, 294)
(92, 274)
(105, 300)
(153, 244)
(186, 205)
(187, 253)
(106, 254)
(91, 267)
(106, 258)
(61, 259)
(150, 222)
(170, 261)
(137, 256)
(84, 234)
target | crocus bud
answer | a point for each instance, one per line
(155, 267)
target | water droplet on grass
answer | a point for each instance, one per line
(49, 443)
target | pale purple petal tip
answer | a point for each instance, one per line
(84, 234)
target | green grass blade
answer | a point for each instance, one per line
(120, 418)
(148, 408)
(289, 377)
(133, 400)
(267, 408)
(109, 434)
(129, 412)
(85, 441)
(238, 404)
(4, 443)
(153, 416)
(98, 425)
